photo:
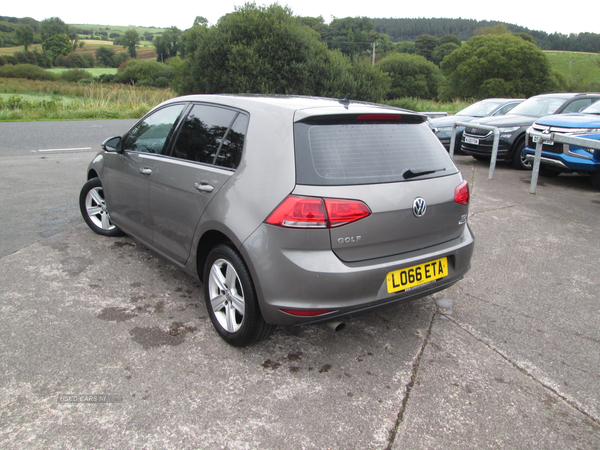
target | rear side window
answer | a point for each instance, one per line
(367, 153)
(212, 135)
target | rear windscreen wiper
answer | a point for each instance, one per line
(412, 173)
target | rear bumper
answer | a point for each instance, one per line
(286, 278)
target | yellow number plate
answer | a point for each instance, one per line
(401, 280)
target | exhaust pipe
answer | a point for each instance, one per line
(336, 325)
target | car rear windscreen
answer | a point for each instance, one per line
(355, 150)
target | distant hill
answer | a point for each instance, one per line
(410, 29)
(396, 29)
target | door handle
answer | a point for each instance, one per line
(146, 171)
(204, 187)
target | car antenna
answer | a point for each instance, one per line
(346, 100)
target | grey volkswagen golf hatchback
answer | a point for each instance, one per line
(290, 210)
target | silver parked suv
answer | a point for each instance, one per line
(290, 210)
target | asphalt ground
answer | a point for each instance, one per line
(103, 344)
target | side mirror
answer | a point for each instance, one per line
(112, 144)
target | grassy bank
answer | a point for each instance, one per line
(27, 100)
(33, 100)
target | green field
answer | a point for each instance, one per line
(581, 70)
(119, 29)
(96, 71)
(145, 50)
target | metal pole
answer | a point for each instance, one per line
(494, 153)
(452, 141)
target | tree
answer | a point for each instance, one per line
(24, 35)
(130, 40)
(316, 23)
(161, 47)
(200, 21)
(144, 72)
(55, 26)
(263, 49)
(500, 64)
(498, 29)
(425, 45)
(352, 35)
(106, 56)
(405, 47)
(450, 38)
(168, 44)
(57, 45)
(411, 76)
(442, 51)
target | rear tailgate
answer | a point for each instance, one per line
(390, 163)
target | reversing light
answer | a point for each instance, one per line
(315, 212)
(461, 193)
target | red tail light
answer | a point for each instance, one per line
(461, 193)
(315, 212)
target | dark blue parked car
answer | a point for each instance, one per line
(557, 157)
(442, 126)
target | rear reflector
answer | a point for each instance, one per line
(307, 313)
(315, 212)
(461, 193)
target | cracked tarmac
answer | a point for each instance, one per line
(506, 358)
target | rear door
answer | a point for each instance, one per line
(397, 167)
(205, 154)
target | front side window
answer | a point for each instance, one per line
(579, 104)
(152, 133)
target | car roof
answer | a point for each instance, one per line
(299, 106)
(568, 95)
(499, 99)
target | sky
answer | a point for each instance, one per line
(530, 14)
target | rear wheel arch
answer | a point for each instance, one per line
(208, 241)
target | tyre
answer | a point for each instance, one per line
(548, 172)
(519, 161)
(93, 209)
(231, 299)
(595, 177)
